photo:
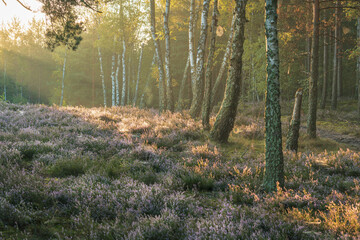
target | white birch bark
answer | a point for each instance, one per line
(117, 80)
(198, 94)
(123, 92)
(102, 76)
(191, 45)
(113, 85)
(169, 92)
(138, 78)
(63, 79)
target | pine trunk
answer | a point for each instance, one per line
(358, 63)
(102, 76)
(325, 70)
(336, 58)
(198, 93)
(311, 124)
(162, 89)
(226, 117)
(180, 104)
(340, 54)
(63, 78)
(293, 134)
(209, 66)
(138, 78)
(223, 64)
(123, 90)
(274, 173)
(169, 91)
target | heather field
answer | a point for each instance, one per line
(125, 173)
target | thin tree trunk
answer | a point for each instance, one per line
(142, 99)
(138, 78)
(5, 93)
(63, 79)
(226, 117)
(102, 75)
(198, 94)
(169, 91)
(117, 80)
(113, 78)
(180, 105)
(223, 64)
(293, 134)
(274, 173)
(336, 53)
(325, 70)
(209, 66)
(311, 124)
(191, 45)
(340, 54)
(129, 78)
(123, 90)
(162, 89)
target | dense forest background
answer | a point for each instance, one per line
(31, 73)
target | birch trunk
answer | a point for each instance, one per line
(113, 77)
(336, 53)
(226, 117)
(128, 79)
(138, 77)
(63, 79)
(191, 45)
(293, 134)
(274, 172)
(180, 105)
(198, 94)
(325, 70)
(117, 80)
(311, 123)
(142, 99)
(102, 75)
(123, 90)
(162, 89)
(209, 66)
(169, 91)
(223, 64)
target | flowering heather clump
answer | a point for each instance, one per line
(126, 173)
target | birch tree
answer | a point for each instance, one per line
(274, 172)
(311, 123)
(123, 89)
(63, 79)
(226, 117)
(117, 79)
(102, 76)
(138, 77)
(168, 76)
(209, 66)
(113, 76)
(162, 89)
(191, 45)
(198, 92)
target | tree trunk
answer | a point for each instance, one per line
(113, 85)
(198, 94)
(123, 90)
(340, 55)
(209, 66)
(63, 79)
(138, 77)
(102, 76)
(117, 80)
(169, 91)
(128, 85)
(336, 58)
(358, 63)
(325, 70)
(191, 45)
(274, 173)
(293, 134)
(162, 89)
(5, 93)
(226, 117)
(142, 99)
(223, 64)
(180, 105)
(311, 124)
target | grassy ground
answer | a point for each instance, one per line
(124, 173)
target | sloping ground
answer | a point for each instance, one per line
(124, 173)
